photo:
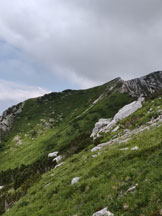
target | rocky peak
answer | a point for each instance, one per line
(144, 86)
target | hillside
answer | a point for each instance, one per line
(106, 144)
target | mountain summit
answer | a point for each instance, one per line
(84, 152)
(145, 85)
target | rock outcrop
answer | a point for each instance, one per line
(127, 135)
(104, 125)
(144, 86)
(8, 117)
(99, 125)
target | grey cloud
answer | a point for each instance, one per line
(89, 41)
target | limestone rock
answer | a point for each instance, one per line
(1, 187)
(132, 188)
(116, 128)
(129, 109)
(75, 180)
(144, 86)
(99, 125)
(103, 212)
(105, 125)
(124, 149)
(58, 158)
(8, 117)
(135, 148)
(96, 148)
(53, 154)
(60, 164)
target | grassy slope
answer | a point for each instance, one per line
(104, 179)
(71, 123)
(73, 117)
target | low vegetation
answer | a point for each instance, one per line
(126, 181)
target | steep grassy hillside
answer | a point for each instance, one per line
(56, 121)
(120, 170)
(59, 122)
(125, 179)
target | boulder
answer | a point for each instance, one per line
(100, 124)
(58, 158)
(53, 154)
(129, 109)
(75, 180)
(132, 188)
(103, 212)
(105, 125)
(135, 148)
(97, 148)
(60, 164)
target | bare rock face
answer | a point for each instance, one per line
(105, 125)
(99, 125)
(143, 86)
(8, 117)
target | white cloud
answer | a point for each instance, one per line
(12, 93)
(16, 92)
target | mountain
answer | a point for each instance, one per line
(84, 152)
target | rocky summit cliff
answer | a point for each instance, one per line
(84, 152)
(145, 85)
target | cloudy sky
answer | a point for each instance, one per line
(51, 45)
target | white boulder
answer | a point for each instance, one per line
(53, 154)
(58, 158)
(116, 128)
(100, 124)
(60, 164)
(124, 149)
(75, 180)
(132, 188)
(105, 125)
(94, 155)
(129, 109)
(135, 148)
(97, 148)
(103, 212)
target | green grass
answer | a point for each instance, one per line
(104, 182)
(74, 118)
(105, 179)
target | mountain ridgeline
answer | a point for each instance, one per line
(84, 152)
(144, 86)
